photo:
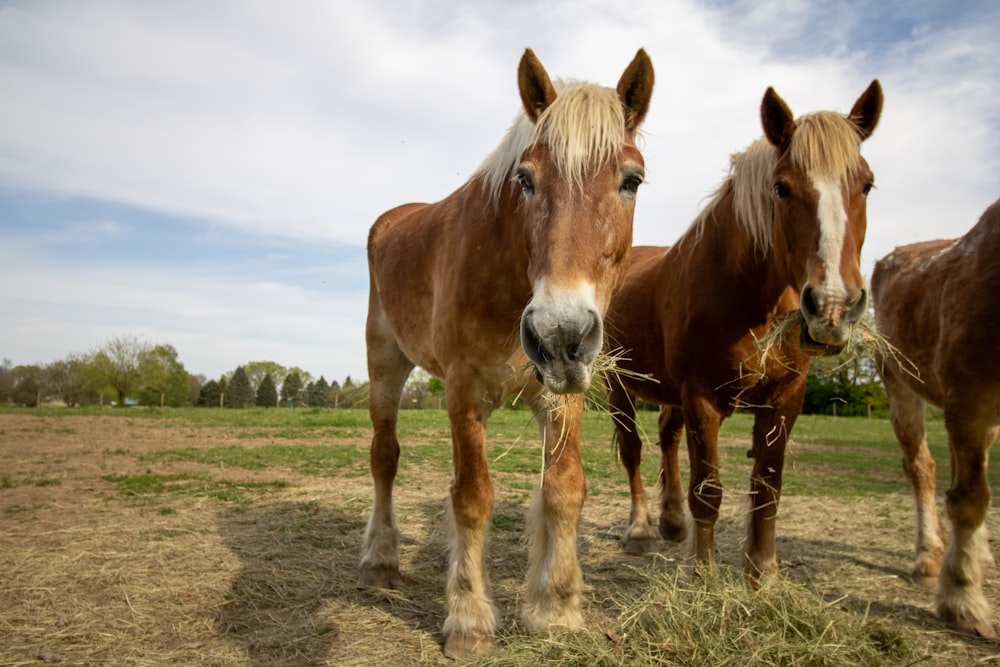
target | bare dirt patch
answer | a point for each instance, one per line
(92, 576)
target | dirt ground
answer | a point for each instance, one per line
(92, 576)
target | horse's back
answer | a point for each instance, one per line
(933, 301)
(402, 245)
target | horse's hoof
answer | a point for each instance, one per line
(976, 628)
(673, 532)
(759, 575)
(461, 646)
(640, 545)
(380, 576)
(930, 582)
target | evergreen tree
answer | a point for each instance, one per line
(239, 393)
(291, 390)
(316, 393)
(333, 395)
(256, 370)
(267, 393)
(209, 395)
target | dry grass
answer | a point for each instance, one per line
(715, 619)
(91, 576)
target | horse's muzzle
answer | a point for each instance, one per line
(828, 324)
(562, 344)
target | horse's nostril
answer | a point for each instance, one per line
(857, 305)
(807, 302)
(531, 341)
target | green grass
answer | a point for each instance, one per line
(840, 456)
(147, 486)
(321, 460)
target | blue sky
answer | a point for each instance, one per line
(204, 174)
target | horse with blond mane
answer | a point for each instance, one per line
(516, 266)
(934, 304)
(781, 236)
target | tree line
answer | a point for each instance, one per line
(128, 370)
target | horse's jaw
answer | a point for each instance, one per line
(814, 348)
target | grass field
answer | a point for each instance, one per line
(837, 456)
(231, 537)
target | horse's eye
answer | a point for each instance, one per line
(631, 183)
(525, 180)
(867, 188)
(782, 190)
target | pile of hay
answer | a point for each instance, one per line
(716, 619)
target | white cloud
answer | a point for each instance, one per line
(307, 120)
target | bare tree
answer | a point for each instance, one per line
(69, 380)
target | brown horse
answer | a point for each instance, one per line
(782, 233)
(533, 244)
(934, 303)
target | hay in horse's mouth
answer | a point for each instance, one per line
(607, 369)
(865, 342)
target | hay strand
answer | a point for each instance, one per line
(865, 344)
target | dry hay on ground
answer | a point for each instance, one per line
(92, 577)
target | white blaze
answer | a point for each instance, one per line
(832, 227)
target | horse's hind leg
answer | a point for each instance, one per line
(702, 419)
(388, 369)
(906, 411)
(960, 598)
(673, 525)
(639, 537)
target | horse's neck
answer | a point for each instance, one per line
(746, 279)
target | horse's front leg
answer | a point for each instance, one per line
(772, 427)
(704, 488)
(960, 598)
(470, 627)
(555, 582)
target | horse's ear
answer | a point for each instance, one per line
(777, 119)
(635, 88)
(537, 92)
(867, 110)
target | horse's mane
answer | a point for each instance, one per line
(824, 144)
(749, 181)
(585, 123)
